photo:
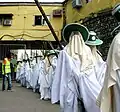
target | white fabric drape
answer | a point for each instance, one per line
(46, 77)
(113, 64)
(99, 65)
(70, 83)
(75, 77)
(77, 49)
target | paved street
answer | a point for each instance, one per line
(24, 100)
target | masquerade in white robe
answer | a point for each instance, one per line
(109, 98)
(75, 77)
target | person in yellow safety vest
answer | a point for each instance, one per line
(6, 72)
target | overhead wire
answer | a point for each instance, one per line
(25, 35)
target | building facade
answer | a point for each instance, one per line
(80, 9)
(23, 21)
(96, 16)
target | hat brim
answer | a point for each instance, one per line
(52, 52)
(94, 43)
(68, 29)
(115, 9)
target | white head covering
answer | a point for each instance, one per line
(113, 64)
(47, 64)
(78, 50)
(96, 57)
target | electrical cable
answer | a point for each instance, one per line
(25, 35)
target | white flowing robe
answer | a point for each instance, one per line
(32, 82)
(44, 84)
(35, 75)
(27, 76)
(18, 72)
(22, 73)
(46, 77)
(41, 69)
(69, 84)
(100, 69)
(117, 93)
(51, 71)
(99, 64)
(108, 99)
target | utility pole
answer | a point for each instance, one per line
(48, 23)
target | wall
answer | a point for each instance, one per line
(23, 23)
(103, 25)
(94, 6)
(96, 16)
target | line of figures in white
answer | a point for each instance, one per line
(75, 78)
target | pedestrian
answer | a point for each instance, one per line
(6, 72)
(13, 66)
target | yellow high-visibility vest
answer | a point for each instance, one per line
(7, 67)
(15, 68)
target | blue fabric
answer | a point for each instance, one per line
(8, 77)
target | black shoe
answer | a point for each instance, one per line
(8, 88)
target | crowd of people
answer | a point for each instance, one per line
(78, 78)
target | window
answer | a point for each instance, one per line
(39, 20)
(6, 19)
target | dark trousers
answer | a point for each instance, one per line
(15, 76)
(12, 73)
(8, 77)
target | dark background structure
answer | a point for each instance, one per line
(103, 24)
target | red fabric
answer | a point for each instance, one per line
(4, 61)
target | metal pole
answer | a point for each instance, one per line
(48, 23)
(53, 49)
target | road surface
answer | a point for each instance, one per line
(24, 100)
